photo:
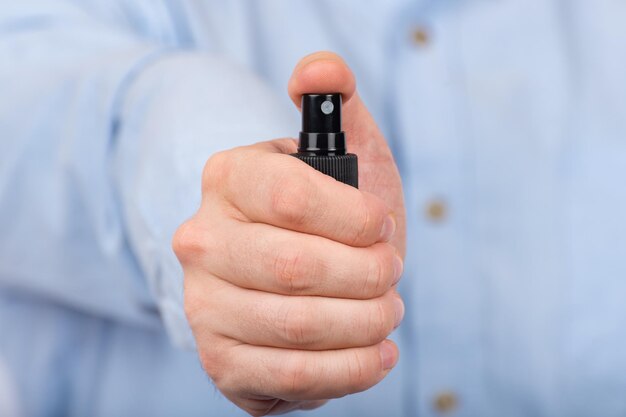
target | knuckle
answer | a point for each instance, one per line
(290, 271)
(195, 304)
(359, 234)
(380, 323)
(216, 170)
(290, 199)
(358, 379)
(296, 327)
(295, 377)
(366, 223)
(211, 361)
(188, 242)
(375, 276)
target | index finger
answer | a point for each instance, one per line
(287, 193)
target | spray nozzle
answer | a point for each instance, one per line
(322, 142)
(321, 125)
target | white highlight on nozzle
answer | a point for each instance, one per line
(328, 107)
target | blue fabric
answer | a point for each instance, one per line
(512, 113)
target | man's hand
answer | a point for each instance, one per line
(290, 275)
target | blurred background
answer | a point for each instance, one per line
(507, 119)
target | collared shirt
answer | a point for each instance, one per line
(507, 119)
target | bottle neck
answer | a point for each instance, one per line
(322, 143)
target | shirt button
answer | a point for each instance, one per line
(420, 36)
(436, 210)
(445, 402)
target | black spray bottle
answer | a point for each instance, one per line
(322, 142)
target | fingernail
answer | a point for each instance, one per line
(389, 228)
(399, 310)
(398, 267)
(387, 355)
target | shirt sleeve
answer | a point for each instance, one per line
(103, 136)
(180, 111)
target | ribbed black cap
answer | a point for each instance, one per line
(343, 168)
(322, 142)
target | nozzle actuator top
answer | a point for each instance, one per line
(321, 113)
(321, 125)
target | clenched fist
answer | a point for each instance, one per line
(290, 275)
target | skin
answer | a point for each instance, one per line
(290, 276)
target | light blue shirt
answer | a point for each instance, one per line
(508, 122)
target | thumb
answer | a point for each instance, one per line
(325, 73)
